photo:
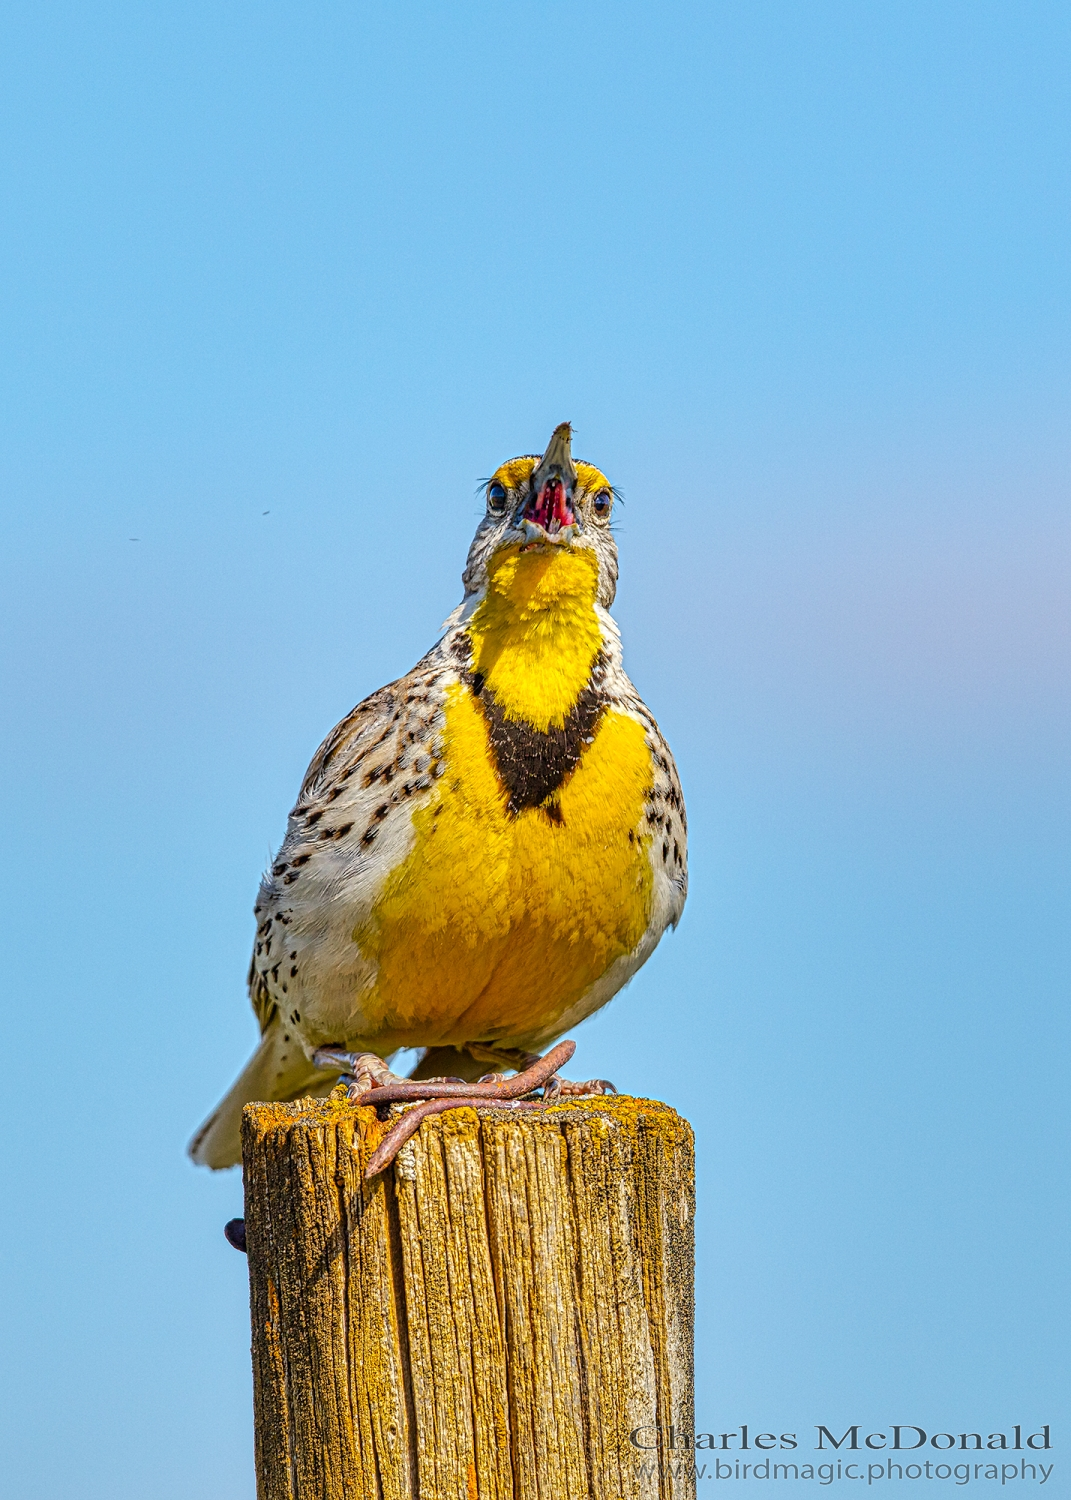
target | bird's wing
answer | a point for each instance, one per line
(351, 825)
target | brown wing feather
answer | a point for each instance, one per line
(373, 767)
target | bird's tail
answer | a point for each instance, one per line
(277, 1070)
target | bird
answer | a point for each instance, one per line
(485, 851)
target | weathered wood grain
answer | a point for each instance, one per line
(488, 1320)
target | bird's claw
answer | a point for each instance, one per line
(361, 1071)
(565, 1088)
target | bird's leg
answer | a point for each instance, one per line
(502, 1059)
(361, 1071)
(468, 1061)
(567, 1088)
(455, 1063)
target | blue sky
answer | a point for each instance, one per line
(278, 284)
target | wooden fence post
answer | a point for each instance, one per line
(489, 1319)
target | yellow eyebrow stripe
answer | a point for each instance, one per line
(515, 471)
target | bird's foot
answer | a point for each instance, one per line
(494, 1091)
(564, 1088)
(360, 1071)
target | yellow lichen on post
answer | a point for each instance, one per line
(488, 1320)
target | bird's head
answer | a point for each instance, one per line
(542, 505)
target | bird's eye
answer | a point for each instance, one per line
(496, 499)
(602, 502)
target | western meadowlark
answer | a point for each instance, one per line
(483, 852)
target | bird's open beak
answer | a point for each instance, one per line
(550, 506)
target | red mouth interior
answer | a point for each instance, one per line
(551, 507)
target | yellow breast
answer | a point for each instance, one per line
(497, 922)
